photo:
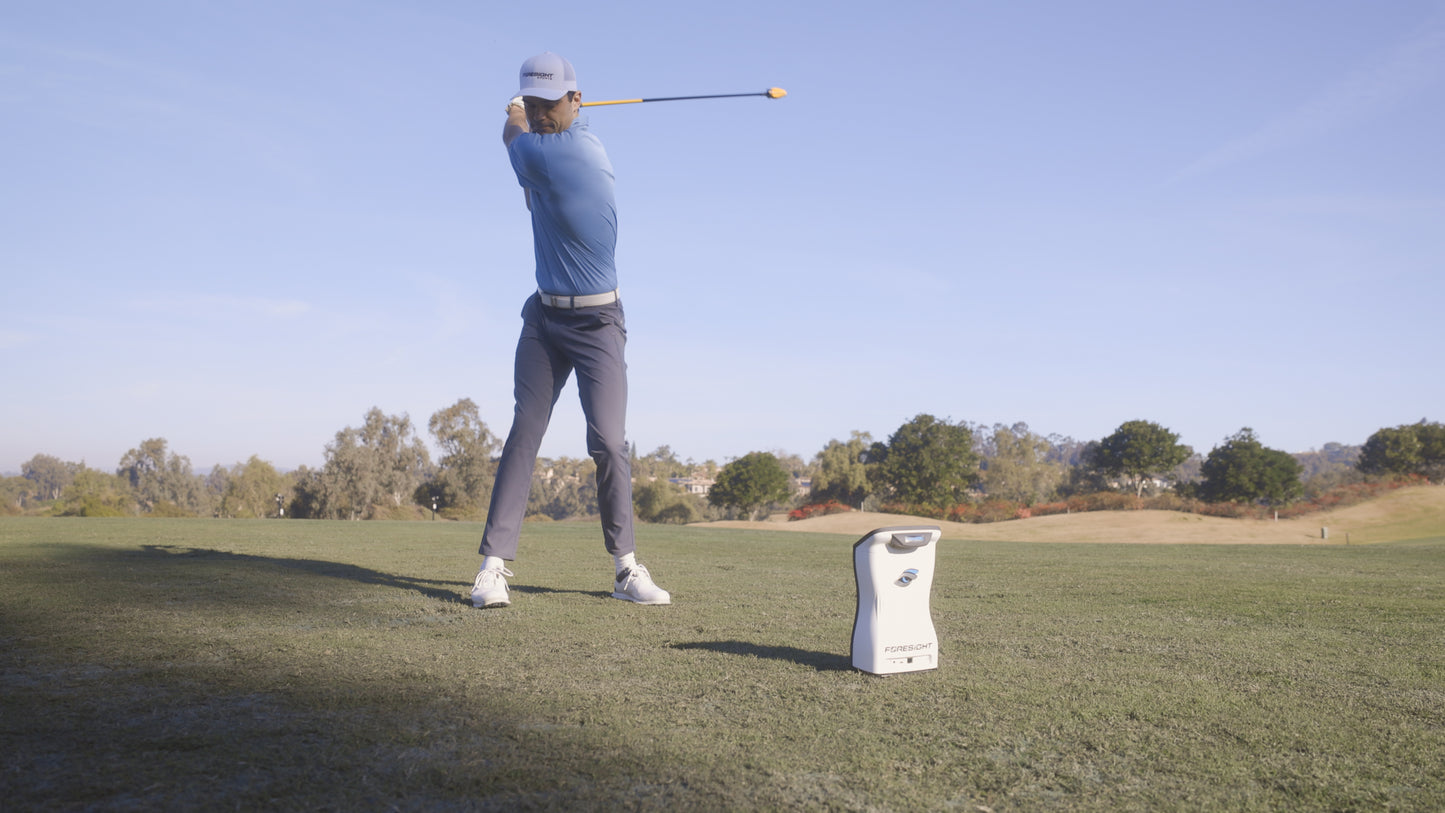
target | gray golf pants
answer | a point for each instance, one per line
(554, 342)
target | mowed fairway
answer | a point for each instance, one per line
(207, 664)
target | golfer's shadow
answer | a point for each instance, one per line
(438, 589)
(821, 661)
(532, 589)
(455, 592)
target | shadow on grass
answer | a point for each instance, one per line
(215, 725)
(536, 590)
(431, 588)
(821, 661)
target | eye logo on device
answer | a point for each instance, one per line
(908, 576)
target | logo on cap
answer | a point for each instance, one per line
(547, 76)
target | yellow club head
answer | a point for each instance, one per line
(776, 93)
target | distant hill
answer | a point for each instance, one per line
(1408, 513)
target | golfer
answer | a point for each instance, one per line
(573, 322)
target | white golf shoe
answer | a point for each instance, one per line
(635, 584)
(490, 588)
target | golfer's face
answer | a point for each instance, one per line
(545, 116)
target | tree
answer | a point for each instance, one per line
(216, 481)
(1432, 450)
(402, 457)
(1333, 457)
(925, 462)
(1244, 470)
(381, 462)
(49, 474)
(142, 468)
(1081, 478)
(563, 487)
(840, 473)
(794, 465)
(1408, 449)
(1391, 451)
(1190, 471)
(467, 472)
(1017, 466)
(664, 502)
(1328, 468)
(1066, 451)
(654, 497)
(15, 492)
(309, 500)
(252, 489)
(163, 481)
(349, 480)
(750, 483)
(659, 464)
(1138, 452)
(95, 493)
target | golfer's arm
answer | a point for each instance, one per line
(515, 126)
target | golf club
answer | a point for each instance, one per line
(771, 93)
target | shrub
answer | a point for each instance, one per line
(1169, 502)
(1110, 501)
(912, 509)
(1044, 509)
(963, 512)
(821, 509)
(996, 511)
(464, 513)
(166, 509)
(92, 506)
(678, 513)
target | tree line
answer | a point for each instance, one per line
(935, 467)
(383, 469)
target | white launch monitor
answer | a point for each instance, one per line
(893, 628)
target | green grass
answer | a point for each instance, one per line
(204, 664)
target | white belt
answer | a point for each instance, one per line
(571, 302)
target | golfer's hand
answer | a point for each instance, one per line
(516, 120)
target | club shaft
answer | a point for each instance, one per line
(673, 98)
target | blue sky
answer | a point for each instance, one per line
(241, 225)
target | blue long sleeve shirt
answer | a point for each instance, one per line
(574, 210)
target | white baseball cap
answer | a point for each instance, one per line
(547, 76)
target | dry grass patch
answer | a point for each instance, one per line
(1409, 513)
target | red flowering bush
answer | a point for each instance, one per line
(1044, 509)
(818, 510)
(963, 512)
(997, 510)
(987, 511)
